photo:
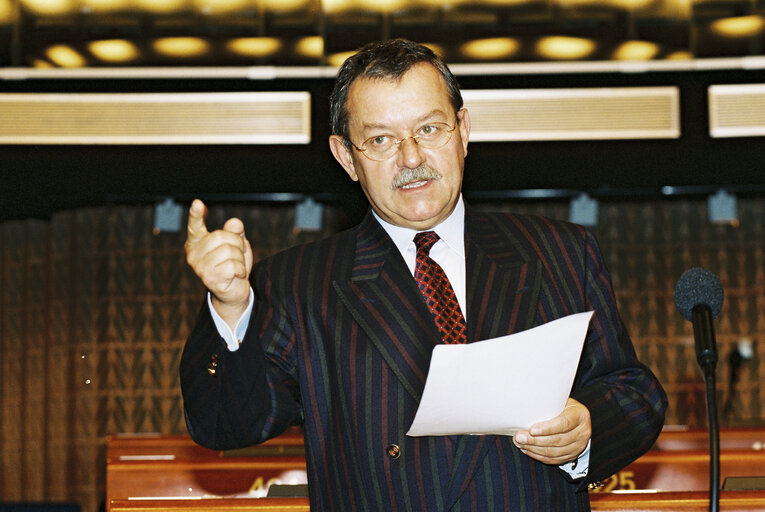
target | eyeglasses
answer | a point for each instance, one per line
(428, 136)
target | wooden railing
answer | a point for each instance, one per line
(679, 461)
(175, 467)
(695, 501)
(172, 473)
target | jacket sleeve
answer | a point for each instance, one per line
(626, 401)
(234, 399)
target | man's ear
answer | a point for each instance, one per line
(464, 128)
(342, 154)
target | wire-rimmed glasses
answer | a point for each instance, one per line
(428, 136)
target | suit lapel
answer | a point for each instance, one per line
(502, 296)
(502, 287)
(384, 299)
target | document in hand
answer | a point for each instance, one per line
(501, 385)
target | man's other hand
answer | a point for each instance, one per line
(559, 440)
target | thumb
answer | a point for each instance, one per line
(234, 225)
(196, 226)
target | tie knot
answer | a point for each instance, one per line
(425, 240)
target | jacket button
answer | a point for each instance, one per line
(212, 366)
(394, 452)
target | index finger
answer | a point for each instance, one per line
(196, 229)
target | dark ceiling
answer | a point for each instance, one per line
(40, 179)
(36, 180)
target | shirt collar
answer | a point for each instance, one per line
(451, 231)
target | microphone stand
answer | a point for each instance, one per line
(706, 354)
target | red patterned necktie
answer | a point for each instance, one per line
(438, 292)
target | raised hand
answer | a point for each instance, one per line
(223, 261)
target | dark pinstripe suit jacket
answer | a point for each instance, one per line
(341, 339)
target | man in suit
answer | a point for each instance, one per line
(336, 335)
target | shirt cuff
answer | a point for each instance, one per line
(232, 338)
(578, 468)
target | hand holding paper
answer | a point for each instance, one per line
(558, 440)
(501, 385)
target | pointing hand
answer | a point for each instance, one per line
(223, 261)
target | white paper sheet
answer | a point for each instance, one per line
(501, 385)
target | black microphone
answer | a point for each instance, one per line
(699, 298)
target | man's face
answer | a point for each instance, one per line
(403, 109)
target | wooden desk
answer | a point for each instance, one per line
(181, 447)
(694, 501)
(213, 505)
(679, 461)
(176, 467)
(730, 501)
(746, 438)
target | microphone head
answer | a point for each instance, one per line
(698, 286)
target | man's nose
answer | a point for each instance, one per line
(410, 153)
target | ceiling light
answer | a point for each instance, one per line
(679, 55)
(503, 2)
(494, 48)
(254, 46)
(283, 5)
(160, 6)
(49, 7)
(41, 64)
(565, 48)
(636, 50)
(65, 57)
(311, 46)
(436, 48)
(741, 26)
(335, 6)
(181, 46)
(382, 5)
(220, 6)
(104, 5)
(6, 12)
(337, 59)
(114, 50)
(443, 4)
(631, 5)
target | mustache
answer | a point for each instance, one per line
(406, 176)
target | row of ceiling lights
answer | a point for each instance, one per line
(674, 8)
(738, 26)
(121, 51)
(58, 7)
(124, 51)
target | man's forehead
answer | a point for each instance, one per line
(421, 86)
(423, 69)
